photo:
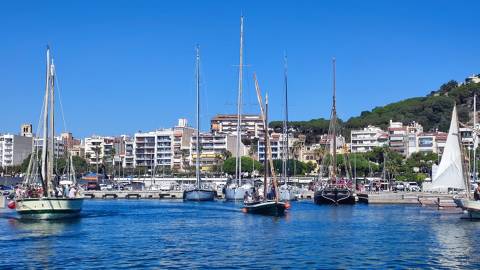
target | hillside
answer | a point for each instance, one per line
(432, 112)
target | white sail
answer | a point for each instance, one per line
(450, 171)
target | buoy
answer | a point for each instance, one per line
(11, 204)
(244, 210)
(287, 205)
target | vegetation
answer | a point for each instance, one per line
(432, 112)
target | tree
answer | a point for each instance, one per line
(229, 165)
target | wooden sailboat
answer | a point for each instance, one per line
(38, 198)
(334, 191)
(198, 193)
(272, 207)
(236, 188)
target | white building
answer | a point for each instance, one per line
(182, 136)
(213, 149)
(153, 149)
(364, 140)
(14, 149)
(58, 148)
(278, 146)
(99, 149)
(252, 125)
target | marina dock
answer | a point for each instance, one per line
(137, 194)
(415, 198)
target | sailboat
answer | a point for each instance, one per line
(286, 191)
(198, 193)
(236, 188)
(452, 173)
(272, 207)
(335, 191)
(38, 196)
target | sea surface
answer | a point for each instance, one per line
(152, 234)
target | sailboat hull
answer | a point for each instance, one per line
(269, 208)
(237, 193)
(471, 207)
(334, 196)
(199, 195)
(48, 208)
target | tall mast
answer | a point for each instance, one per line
(474, 135)
(265, 151)
(334, 121)
(51, 143)
(45, 127)
(285, 169)
(197, 163)
(238, 160)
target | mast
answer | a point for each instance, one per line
(238, 159)
(334, 121)
(285, 169)
(474, 135)
(45, 128)
(51, 151)
(197, 163)
(265, 155)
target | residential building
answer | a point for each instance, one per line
(252, 125)
(14, 149)
(213, 149)
(153, 149)
(69, 141)
(364, 140)
(472, 79)
(182, 135)
(26, 130)
(99, 149)
(58, 148)
(403, 139)
(278, 146)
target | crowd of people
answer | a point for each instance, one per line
(36, 191)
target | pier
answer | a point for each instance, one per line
(440, 201)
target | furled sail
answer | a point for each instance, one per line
(450, 171)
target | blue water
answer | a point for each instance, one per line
(173, 234)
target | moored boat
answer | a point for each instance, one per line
(198, 193)
(335, 191)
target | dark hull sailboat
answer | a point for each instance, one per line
(268, 208)
(334, 195)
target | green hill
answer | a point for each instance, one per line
(432, 112)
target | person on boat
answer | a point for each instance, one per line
(72, 193)
(476, 193)
(59, 192)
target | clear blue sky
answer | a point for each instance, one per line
(125, 66)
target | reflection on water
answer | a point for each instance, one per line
(174, 234)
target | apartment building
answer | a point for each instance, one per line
(278, 146)
(153, 149)
(403, 139)
(182, 136)
(58, 146)
(252, 125)
(213, 148)
(99, 149)
(14, 149)
(364, 140)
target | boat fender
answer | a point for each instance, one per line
(244, 210)
(287, 205)
(11, 204)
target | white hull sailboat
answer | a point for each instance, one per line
(37, 198)
(236, 189)
(198, 193)
(49, 208)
